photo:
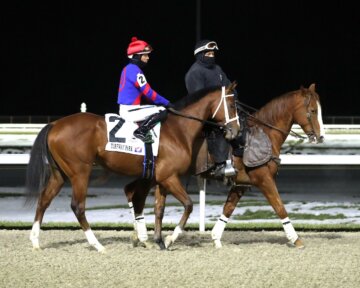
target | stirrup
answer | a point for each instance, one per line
(229, 169)
(147, 138)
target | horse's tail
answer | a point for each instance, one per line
(38, 170)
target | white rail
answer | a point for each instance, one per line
(320, 159)
(23, 159)
(337, 136)
(14, 159)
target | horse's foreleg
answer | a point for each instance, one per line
(233, 198)
(174, 185)
(80, 185)
(160, 198)
(268, 188)
(47, 195)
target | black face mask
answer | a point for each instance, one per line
(136, 60)
(205, 60)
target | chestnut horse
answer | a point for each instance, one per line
(69, 147)
(276, 118)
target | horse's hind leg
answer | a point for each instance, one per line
(136, 193)
(232, 200)
(47, 195)
(80, 184)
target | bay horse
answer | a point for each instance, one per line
(276, 118)
(69, 147)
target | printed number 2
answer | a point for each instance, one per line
(141, 79)
(116, 128)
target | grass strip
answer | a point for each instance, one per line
(247, 226)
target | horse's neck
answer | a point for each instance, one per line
(281, 119)
(191, 128)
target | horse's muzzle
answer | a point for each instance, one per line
(229, 134)
(314, 139)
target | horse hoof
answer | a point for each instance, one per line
(168, 241)
(299, 244)
(161, 245)
(134, 240)
(217, 244)
(100, 248)
(148, 244)
(36, 248)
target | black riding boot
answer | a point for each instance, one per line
(142, 132)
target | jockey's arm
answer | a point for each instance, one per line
(153, 96)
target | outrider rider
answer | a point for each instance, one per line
(205, 73)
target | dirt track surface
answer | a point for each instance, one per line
(248, 259)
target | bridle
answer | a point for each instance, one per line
(226, 111)
(311, 135)
(223, 101)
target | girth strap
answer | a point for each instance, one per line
(148, 164)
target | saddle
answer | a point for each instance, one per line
(121, 139)
(252, 145)
(252, 148)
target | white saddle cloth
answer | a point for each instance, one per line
(120, 131)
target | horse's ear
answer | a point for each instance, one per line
(302, 89)
(312, 87)
(232, 86)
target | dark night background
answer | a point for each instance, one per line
(56, 55)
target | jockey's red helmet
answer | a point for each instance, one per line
(138, 47)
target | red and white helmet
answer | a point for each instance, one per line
(138, 47)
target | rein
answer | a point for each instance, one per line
(178, 113)
(206, 122)
(293, 133)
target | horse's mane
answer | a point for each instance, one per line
(279, 105)
(194, 97)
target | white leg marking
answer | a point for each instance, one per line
(141, 228)
(217, 231)
(93, 241)
(320, 120)
(289, 230)
(34, 235)
(171, 238)
(132, 211)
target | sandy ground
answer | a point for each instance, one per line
(248, 259)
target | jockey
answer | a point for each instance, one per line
(134, 91)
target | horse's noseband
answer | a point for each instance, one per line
(311, 134)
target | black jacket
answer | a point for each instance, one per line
(202, 76)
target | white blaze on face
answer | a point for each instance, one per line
(322, 129)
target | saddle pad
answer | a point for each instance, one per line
(121, 139)
(258, 148)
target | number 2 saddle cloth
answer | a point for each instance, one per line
(121, 139)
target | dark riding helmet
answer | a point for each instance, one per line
(200, 50)
(205, 46)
